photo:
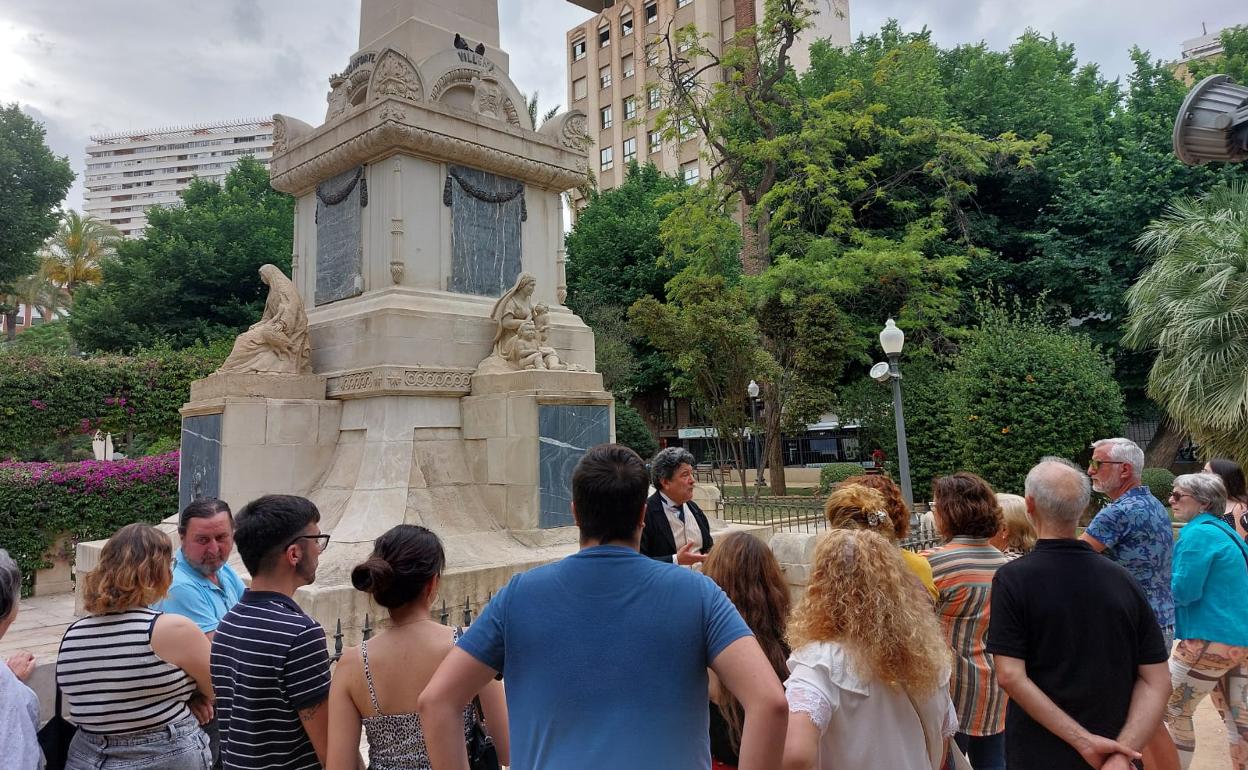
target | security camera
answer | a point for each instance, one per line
(880, 372)
(1212, 124)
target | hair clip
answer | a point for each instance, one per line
(876, 518)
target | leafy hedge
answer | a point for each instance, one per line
(632, 432)
(834, 473)
(46, 402)
(89, 500)
(1160, 481)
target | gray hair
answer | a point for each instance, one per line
(1124, 450)
(1059, 490)
(10, 584)
(665, 464)
(1206, 488)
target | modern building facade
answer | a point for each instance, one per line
(613, 75)
(128, 172)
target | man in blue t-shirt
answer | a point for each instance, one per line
(204, 587)
(605, 653)
(1133, 530)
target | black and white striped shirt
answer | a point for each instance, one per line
(268, 662)
(112, 680)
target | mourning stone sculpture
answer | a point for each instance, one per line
(278, 342)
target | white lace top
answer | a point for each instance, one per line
(863, 721)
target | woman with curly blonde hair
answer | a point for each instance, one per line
(863, 502)
(870, 667)
(135, 680)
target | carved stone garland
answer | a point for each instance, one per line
(485, 195)
(334, 197)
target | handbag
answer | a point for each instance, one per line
(481, 752)
(55, 737)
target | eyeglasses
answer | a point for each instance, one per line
(1179, 496)
(322, 541)
(1094, 464)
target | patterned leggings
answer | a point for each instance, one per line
(1199, 668)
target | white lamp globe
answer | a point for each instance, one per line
(892, 338)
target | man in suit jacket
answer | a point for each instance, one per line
(676, 529)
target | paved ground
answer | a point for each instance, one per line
(41, 622)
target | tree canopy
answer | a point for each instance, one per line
(33, 182)
(193, 275)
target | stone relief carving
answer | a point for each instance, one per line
(521, 340)
(395, 112)
(286, 131)
(399, 380)
(394, 76)
(487, 98)
(339, 97)
(278, 342)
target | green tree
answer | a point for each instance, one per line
(77, 248)
(193, 275)
(1021, 389)
(32, 184)
(1191, 307)
(631, 431)
(530, 103)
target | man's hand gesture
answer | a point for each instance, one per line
(687, 555)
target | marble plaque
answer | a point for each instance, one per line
(565, 433)
(486, 215)
(199, 471)
(339, 242)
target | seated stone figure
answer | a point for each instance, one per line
(523, 350)
(278, 342)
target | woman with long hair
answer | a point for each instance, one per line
(136, 681)
(748, 572)
(865, 503)
(870, 668)
(376, 685)
(1236, 511)
(968, 516)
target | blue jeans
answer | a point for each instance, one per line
(985, 752)
(180, 745)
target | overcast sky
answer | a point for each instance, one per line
(96, 66)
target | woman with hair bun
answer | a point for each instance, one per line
(376, 685)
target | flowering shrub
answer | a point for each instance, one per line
(48, 402)
(89, 500)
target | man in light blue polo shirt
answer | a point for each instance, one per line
(204, 587)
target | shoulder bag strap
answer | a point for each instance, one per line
(1239, 543)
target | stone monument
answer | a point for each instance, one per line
(436, 376)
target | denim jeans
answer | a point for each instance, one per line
(180, 745)
(985, 752)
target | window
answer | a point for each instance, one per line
(604, 77)
(605, 115)
(689, 171)
(630, 150)
(630, 107)
(686, 129)
(626, 24)
(606, 156)
(685, 45)
(579, 89)
(683, 3)
(654, 96)
(604, 36)
(578, 50)
(626, 65)
(652, 56)
(652, 12)
(656, 141)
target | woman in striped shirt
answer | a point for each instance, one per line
(136, 681)
(967, 516)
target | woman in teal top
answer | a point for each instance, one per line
(1209, 582)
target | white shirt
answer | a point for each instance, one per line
(683, 532)
(865, 722)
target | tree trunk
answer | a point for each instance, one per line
(10, 325)
(1165, 445)
(775, 446)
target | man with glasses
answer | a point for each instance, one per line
(270, 668)
(1134, 529)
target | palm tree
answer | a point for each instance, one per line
(37, 291)
(531, 103)
(77, 249)
(1191, 306)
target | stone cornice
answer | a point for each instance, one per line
(399, 381)
(396, 125)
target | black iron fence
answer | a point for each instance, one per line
(452, 614)
(805, 514)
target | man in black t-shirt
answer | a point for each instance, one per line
(1072, 636)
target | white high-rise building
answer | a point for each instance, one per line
(130, 171)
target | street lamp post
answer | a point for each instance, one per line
(753, 390)
(891, 340)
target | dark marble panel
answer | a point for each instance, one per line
(339, 236)
(486, 212)
(565, 433)
(199, 474)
